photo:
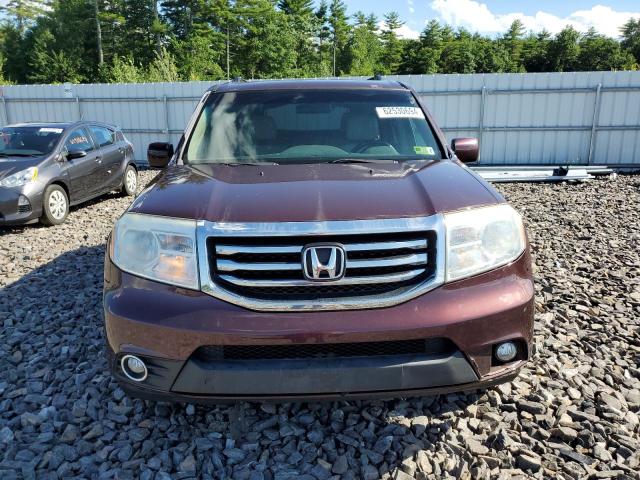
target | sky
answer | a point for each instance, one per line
(492, 17)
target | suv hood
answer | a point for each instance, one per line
(312, 192)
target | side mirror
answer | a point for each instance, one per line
(76, 154)
(159, 154)
(466, 149)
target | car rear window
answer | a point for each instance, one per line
(103, 136)
(311, 126)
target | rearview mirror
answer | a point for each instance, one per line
(76, 154)
(159, 154)
(466, 149)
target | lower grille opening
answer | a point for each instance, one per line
(430, 346)
(24, 208)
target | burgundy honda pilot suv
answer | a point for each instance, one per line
(315, 239)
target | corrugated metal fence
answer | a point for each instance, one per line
(521, 119)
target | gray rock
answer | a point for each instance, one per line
(6, 435)
(340, 466)
(529, 462)
(531, 407)
(188, 465)
(383, 444)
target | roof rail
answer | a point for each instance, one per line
(238, 79)
(377, 76)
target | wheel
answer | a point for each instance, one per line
(130, 181)
(55, 205)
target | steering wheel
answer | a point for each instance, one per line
(361, 147)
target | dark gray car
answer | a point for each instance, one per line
(46, 167)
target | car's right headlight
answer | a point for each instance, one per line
(481, 239)
(20, 178)
(157, 248)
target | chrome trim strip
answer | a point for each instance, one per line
(413, 259)
(283, 229)
(233, 249)
(349, 247)
(231, 266)
(369, 280)
(359, 247)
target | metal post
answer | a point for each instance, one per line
(79, 108)
(594, 123)
(481, 122)
(5, 111)
(166, 117)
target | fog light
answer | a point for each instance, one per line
(133, 368)
(505, 352)
(23, 201)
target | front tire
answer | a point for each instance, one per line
(55, 205)
(130, 181)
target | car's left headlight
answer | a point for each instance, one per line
(20, 178)
(157, 248)
(481, 239)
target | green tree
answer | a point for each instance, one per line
(48, 64)
(458, 55)
(13, 51)
(631, 37)
(364, 46)
(124, 70)
(535, 52)
(598, 52)
(512, 41)
(143, 31)
(197, 59)
(340, 29)
(266, 48)
(491, 56)
(323, 34)
(392, 45)
(24, 12)
(563, 50)
(163, 68)
(303, 24)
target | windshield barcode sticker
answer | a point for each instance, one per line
(399, 112)
(50, 130)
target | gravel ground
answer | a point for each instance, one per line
(573, 413)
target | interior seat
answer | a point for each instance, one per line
(359, 128)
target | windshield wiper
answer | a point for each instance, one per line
(237, 164)
(359, 160)
(20, 154)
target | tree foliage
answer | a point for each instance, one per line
(50, 41)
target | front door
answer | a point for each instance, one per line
(84, 172)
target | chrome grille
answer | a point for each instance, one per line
(270, 268)
(260, 266)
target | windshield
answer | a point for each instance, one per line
(28, 141)
(311, 126)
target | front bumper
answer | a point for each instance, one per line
(166, 325)
(10, 211)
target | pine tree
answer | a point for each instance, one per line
(512, 41)
(535, 49)
(631, 38)
(301, 18)
(340, 28)
(364, 46)
(392, 45)
(24, 12)
(597, 52)
(564, 50)
(323, 35)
